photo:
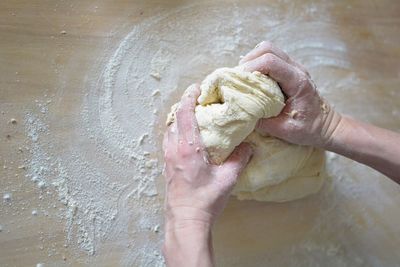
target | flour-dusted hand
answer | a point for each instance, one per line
(307, 119)
(196, 191)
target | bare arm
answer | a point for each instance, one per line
(308, 119)
(370, 145)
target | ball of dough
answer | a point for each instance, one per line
(229, 106)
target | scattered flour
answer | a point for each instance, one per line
(7, 197)
(105, 168)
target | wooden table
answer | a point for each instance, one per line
(49, 48)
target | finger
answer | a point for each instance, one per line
(171, 132)
(285, 74)
(165, 141)
(267, 47)
(281, 126)
(186, 122)
(263, 48)
(170, 142)
(230, 170)
(303, 69)
(272, 126)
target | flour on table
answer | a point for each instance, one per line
(106, 193)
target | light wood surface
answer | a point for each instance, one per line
(48, 47)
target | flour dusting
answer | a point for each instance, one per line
(105, 166)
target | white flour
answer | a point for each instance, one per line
(106, 166)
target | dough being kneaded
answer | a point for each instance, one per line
(229, 106)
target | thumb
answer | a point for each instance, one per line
(278, 126)
(230, 170)
(271, 126)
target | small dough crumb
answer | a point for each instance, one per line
(156, 75)
(325, 108)
(293, 114)
(7, 197)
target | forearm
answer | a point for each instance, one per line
(367, 144)
(188, 244)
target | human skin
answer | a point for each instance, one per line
(308, 119)
(197, 191)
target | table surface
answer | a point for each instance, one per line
(51, 58)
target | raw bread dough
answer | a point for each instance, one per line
(230, 104)
(279, 171)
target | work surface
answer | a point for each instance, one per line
(88, 84)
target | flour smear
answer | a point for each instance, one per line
(107, 169)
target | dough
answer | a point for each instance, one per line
(279, 171)
(230, 104)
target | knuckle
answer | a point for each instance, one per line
(269, 59)
(303, 70)
(259, 45)
(305, 83)
(266, 45)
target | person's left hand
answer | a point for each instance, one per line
(196, 191)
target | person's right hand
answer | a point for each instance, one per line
(306, 119)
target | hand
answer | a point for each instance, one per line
(196, 191)
(307, 119)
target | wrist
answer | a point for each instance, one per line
(181, 211)
(188, 243)
(332, 124)
(182, 228)
(186, 230)
(183, 217)
(335, 133)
